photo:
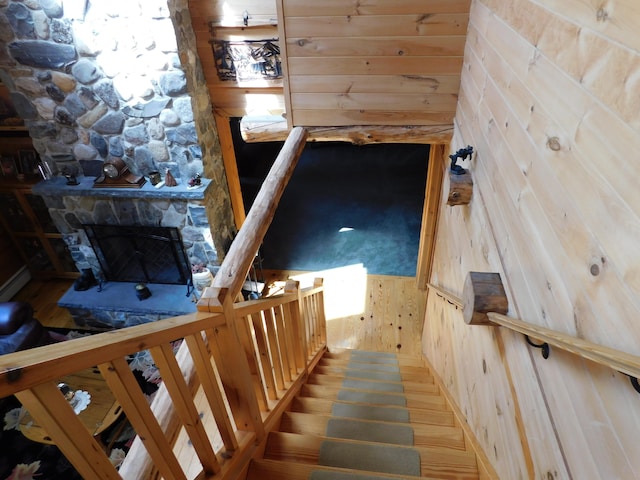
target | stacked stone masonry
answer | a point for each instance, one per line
(102, 79)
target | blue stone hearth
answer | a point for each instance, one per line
(117, 305)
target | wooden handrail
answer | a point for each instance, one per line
(27, 368)
(610, 357)
(618, 360)
(238, 260)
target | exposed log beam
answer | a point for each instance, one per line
(274, 129)
(241, 255)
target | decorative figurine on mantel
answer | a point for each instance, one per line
(169, 179)
(71, 174)
(195, 182)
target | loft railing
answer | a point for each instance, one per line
(224, 389)
(478, 300)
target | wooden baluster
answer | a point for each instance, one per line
(291, 339)
(263, 354)
(272, 337)
(177, 387)
(212, 388)
(253, 359)
(53, 412)
(125, 387)
(284, 342)
(311, 328)
(298, 324)
(316, 322)
(293, 335)
(319, 282)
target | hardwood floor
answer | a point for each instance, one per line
(43, 296)
(369, 312)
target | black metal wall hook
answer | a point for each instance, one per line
(546, 349)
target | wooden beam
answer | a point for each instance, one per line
(430, 212)
(231, 168)
(275, 129)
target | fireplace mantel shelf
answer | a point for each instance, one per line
(58, 187)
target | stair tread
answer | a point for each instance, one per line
(421, 400)
(354, 372)
(337, 379)
(435, 461)
(424, 435)
(438, 412)
(340, 362)
(402, 358)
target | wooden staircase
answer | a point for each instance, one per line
(344, 421)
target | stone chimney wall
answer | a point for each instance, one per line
(96, 79)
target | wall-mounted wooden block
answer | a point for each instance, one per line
(460, 188)
(483, 292)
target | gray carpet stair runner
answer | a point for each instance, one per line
(353, 420)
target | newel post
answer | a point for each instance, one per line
(235, 375)
(483, 293)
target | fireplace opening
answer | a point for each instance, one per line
(140, 254)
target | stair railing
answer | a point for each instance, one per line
(237, 367)
(623, 362)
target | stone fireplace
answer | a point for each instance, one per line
(115, 304)
(98, 81)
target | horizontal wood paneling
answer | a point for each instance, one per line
(547, 101)
(424, 66)
(321, 118)
(389, 43)
(302, 8)
(409, 47)
(374, 83)
(355, 101)
(379, 46)
(380, 25)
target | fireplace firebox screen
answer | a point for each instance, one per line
(140, 254)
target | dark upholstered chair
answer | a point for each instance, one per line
(18, 329)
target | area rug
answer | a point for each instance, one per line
(23, 459)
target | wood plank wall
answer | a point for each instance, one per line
(374, 62)
(349, 63)
(549, 99)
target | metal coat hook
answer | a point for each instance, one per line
(544, 346)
